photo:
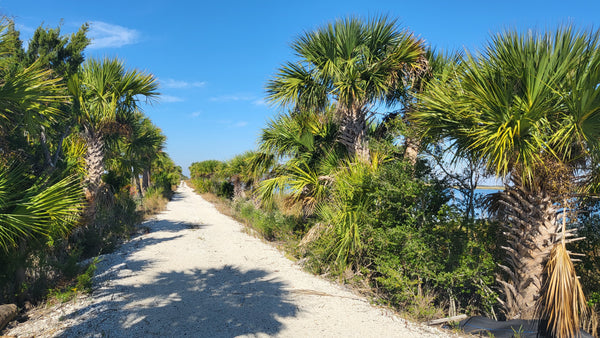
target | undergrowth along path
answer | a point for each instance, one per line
(195, 272)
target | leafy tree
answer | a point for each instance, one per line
(62, 54)
(205, 168)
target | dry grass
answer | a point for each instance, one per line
(153, 204)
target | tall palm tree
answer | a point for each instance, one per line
(437, 65)
(529, 107)
(102, 91)
(355, 65)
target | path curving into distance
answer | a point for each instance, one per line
(197, 274)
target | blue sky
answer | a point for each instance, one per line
(213, 58)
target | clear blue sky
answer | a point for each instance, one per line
(214, 57)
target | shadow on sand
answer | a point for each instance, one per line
(221, 302)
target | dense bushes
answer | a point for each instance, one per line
(414, 246)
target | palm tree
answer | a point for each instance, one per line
(133, 148)
(438, 65)
(529, 107)
(102, 91)
(353, 64)
(143, 146)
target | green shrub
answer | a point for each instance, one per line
(84, 281)
(225, 190)
(272, 225)
(420, 242)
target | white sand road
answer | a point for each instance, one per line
(196, 273)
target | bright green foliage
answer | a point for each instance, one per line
(30, 208)
(104, 89)
(304, 144)
(165, 174)
(273, 225)
(355, 62)
(348, 211)
(27, 94)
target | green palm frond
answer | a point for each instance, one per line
(350, 61)
(525, 95)
(39, 210)
(104, 89)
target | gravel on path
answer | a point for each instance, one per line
(197, 273)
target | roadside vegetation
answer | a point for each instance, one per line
(81, 164)
(369, 174)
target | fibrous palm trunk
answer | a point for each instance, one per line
(353, 133)
(532, 227)
(138, 185)
(411, 150)
(238, 187)
(94, 164)
(146, 179)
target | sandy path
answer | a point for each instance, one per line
(197, 274)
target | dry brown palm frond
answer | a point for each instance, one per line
(562, 303)
(313, 234)
(591, 321)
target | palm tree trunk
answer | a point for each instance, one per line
(238, 187)
(138, 185)
(353, 134)
(532, 229)
(146, 179)
(411, 150)
(94, 163)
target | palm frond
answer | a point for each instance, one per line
(36, 209)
